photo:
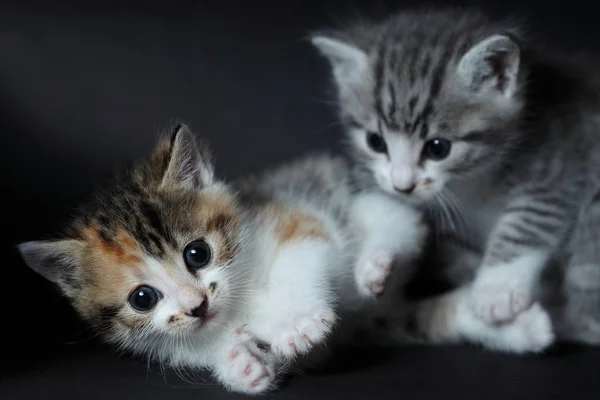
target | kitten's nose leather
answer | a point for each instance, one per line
(406, 190)
(200, 311)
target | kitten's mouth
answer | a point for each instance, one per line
(203, 314)
(208, 316)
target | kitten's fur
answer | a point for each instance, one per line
(523, 124)
(284, 247)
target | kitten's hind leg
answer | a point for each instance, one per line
(297, 310)
(520, 246)
(448, 319)
(392, 234)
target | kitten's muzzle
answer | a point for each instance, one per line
(406, 190)
(201, 311)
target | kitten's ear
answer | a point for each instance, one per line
(55, 260)
(189, 166)
(491, 66)
(348, 63)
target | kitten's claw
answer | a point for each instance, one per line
(246, 370)
(530, 332)
(372, 273)
(305, 332)
(496, 298)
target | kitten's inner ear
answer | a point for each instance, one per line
(491, 66)
(349, 63)
(188, 167)
(55, 260)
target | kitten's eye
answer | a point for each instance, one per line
(376, 142)
(196, 255)
(437, 149)
(144, 298)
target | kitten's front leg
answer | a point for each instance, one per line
(391, 233)
(296, 312)
(244, 364)
(519, 248)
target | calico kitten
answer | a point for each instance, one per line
(452, 110)
(167, 262)
(170, 263)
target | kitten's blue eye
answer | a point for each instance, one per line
(437, 149)
(196, 255)
(376, 142)
(144, 298)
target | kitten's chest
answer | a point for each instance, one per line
(480, 204)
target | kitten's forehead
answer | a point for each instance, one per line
(411, 84)
(413, 60)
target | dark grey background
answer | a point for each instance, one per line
(85, 86)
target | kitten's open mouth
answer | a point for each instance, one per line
(208, 316)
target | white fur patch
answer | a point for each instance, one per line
(391, 231)
(501, 292)
(296, 311)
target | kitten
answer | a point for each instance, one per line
(246, 279)
(167, 262)
(453, 111)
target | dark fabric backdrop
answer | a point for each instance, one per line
(85, 86)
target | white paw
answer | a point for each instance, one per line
(373, 272)
(499, 297)
(246, 370)
(303, 333)
(530, 332)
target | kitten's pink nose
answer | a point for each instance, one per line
(192, 301)
(403, 179)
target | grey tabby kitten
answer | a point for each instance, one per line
(456, 112)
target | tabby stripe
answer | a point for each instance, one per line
(411, 106)
(536, 210)
(546, 225)
(393, 105)
(379, 78)
(468, 164)
(425, 66)
(522, 237)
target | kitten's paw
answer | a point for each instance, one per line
(303, 333)
(247, 370)
(497, 296)
(373, 272)
(530, 332)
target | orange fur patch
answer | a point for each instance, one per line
(292, 225)
(116, 266)
(218, 215)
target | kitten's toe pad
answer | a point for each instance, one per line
(496, 298)
(531, 331)
(374, 273)
(304, 333)
(247, 370)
